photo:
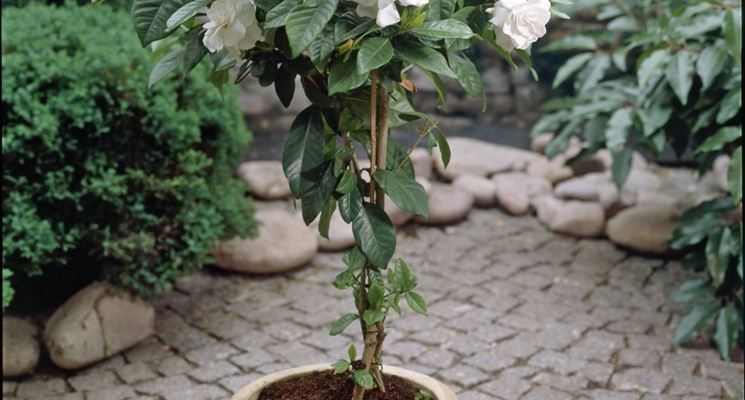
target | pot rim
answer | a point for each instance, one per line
(252, 391)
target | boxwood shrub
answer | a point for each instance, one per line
(103, 178)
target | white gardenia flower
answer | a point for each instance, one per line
(519, 23)
(232, 26)
(384, 11)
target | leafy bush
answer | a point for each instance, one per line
(102, 177)
(667, 74)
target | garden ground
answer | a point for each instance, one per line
(516, 312)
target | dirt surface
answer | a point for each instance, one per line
(327, 386)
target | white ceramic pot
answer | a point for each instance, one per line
(435, 387)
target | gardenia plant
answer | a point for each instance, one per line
(352, 59)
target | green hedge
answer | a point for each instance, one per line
(103, 178)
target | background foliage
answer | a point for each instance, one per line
(666, 75)
(102, 177)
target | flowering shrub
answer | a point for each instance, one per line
(352, 59)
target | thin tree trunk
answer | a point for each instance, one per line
(374, 335)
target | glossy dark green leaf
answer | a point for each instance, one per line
(277, 16)
(374, 234)
(406, 192)
(443, 29)
(374, 53)
(321, 49)
(284, 86)
(730, 105)
(344, 76)
(315, 198)
(347, 183)
(717, 141)
(350, 205)
(692, 290)
(733, 33)
(184, 13)
(710, 63)
(734, 176)
(354, 259)
(679, 74)
(342, 323)
(302, 156)
(424, 57)
(305, 23)
(326, 214)
(467, 75)
(170, 63)
(151, 16)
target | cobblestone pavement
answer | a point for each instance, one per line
(516, 312)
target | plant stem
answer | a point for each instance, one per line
(373, 335)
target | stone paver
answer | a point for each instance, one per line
(516, 312)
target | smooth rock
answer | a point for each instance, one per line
(539, 143)
(284, 243)
(514, 190)
(597, 186)
(575, 218)
(266, 179)
(720, 170)
(340, 237)
(481, 188)
(644, 228)
(477, 157)
(422, 161)
(553, 170)
(447, 205)
(20, 346)
(602, 160)
(95, 323)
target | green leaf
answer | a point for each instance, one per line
(573, 42)
(374, 234)
(725, 335)
(593, 72)
(344, 76)
(623, 24)
(443, 29)
(284, 86)
(424, 57)
(571, 66)
(694, 322)
(352, 353)
(8, 291)
(184, 13)
(350, 205)
(374, 53)
(442, 144)
(734, 176)
(171, 62)
(651, 65)
(717, 141)
(416, 302)
(440, 9)
(347, 183)
(277, 16)
(692, 290)
(305, 23)
(340, 366)
(315, 198)
(354, 259)
(375, 294)
(406, 192)
(194, 51)
(363, 378)
(150, 18)
(467, 75)
(302, 156)
(730, 105)
(653, 119)
(679, 74)
(326, 214)
(321, 49)
(733, 33)
(372, 316)
(621, 166)
(618, 129)
(342, 323)
(710, 63)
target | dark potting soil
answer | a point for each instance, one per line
(327, 386)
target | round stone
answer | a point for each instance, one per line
(422, 161)
(574, 218)
(539, 143)
(95, 323)
(481, 188)
(553, 170)
(20, 346)
(340, 234)
(477, 157)
(284, 242)
(514, 190)
(447, 205)
(266, 179)
(644, 228)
